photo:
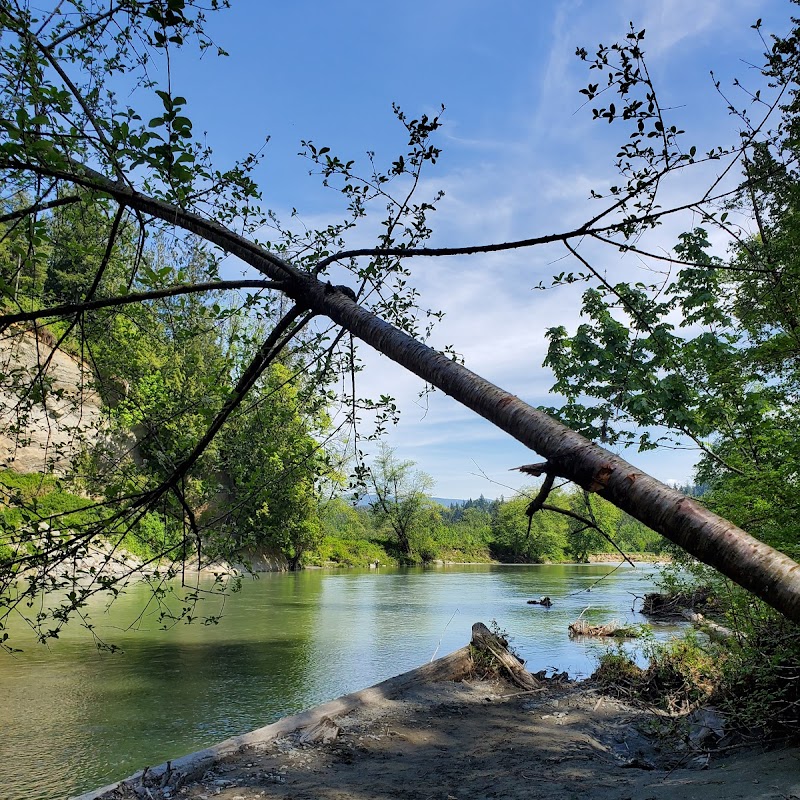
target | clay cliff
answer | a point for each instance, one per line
(49, 408)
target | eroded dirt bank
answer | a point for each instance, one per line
(483, 739)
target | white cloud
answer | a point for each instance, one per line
(531, 174)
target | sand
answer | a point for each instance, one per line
(484, 739)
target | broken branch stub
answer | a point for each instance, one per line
(494, 648)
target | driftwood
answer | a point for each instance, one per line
(582, 628)
(714, 631)
(491, 645)
(326, 730)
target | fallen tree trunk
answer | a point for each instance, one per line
(754, 565)
(494, 648)
(582, 628)
(715, 631)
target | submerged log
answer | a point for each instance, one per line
(491, 645)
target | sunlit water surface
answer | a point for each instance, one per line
(73, 718)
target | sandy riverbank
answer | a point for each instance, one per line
(482, 739)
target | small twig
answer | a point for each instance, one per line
(518, 694)
(439, 643)
(601, 578)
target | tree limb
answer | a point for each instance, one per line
(135, 297)
(36, 207)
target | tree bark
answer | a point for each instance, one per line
(767, 573)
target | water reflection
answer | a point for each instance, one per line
(73, 718)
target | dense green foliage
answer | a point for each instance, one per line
(710, 358)
(514, 540)
(751, 678)
(163, 370)
(401, 505)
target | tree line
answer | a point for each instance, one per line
(399, 523)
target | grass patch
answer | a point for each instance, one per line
(33, 498)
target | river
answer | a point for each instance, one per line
(73, 718)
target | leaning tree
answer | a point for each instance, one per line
(67, 140)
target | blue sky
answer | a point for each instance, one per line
(520, 156)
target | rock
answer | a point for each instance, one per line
(44, 435)
(706, 726)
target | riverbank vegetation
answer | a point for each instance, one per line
(751, 677)
(341, 533)
(480, 531)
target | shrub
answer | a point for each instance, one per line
(347, 553)
(681, 673)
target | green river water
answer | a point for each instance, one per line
(73, 718)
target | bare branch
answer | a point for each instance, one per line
(587, 523)
(37, 207)
(135, 297)
(90, 23)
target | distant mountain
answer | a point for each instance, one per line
(442, 501)
(447, 501)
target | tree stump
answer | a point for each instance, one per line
(497, 650)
